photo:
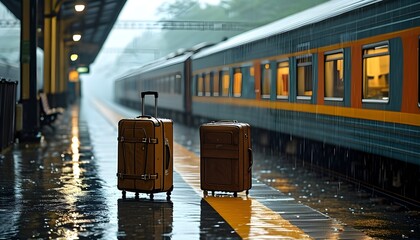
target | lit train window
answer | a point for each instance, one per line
(225, 82)
(376, 72)
(237, 83)
(200, 85)
(304, 77)
(265, 80)
(216, 85)
(207, 88)
(283, 80)
(334, 76)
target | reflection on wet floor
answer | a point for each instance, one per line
(65, 187)
(51, 189)
(139, 218)
(349, 203)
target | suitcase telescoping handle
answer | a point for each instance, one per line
(143, 94)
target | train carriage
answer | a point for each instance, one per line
(343, 73)
(170, 77)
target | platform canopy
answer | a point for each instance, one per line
(93, 24)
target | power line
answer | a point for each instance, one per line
(165, 25)
(130, 50)
(186, 25)
(9, 23)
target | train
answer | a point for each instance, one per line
(339, 79)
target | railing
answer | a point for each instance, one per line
(7, 112)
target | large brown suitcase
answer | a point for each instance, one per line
(145, 159)
(225, 157)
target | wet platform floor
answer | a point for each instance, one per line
(65, 187)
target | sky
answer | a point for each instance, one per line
(134, 10)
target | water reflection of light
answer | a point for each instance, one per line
(75, 143)
(75, 156)
(72, 188)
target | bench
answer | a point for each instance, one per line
(47, 114)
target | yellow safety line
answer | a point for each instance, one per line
(247, 216)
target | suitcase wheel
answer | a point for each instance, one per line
(235, 194)
(137, 196)
(247, 192)
(168, 195)
(124, 194)
(206, 193)
(152, 196)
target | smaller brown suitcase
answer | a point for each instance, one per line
(225, 157)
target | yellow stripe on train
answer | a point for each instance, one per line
(359, 113)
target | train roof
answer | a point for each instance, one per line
(159, 63)
(313, 15)
(179, 56)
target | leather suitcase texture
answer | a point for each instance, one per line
(145, 159)
(225, 157)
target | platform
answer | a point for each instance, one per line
(65, 187)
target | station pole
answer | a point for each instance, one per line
(28, 59)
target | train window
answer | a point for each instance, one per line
(376, 72)
(207, 88)
(200, 85)
(178, 83)
(265, 80)
(167, 84)
(225, 82)
(216, 85)
(237, 82)
(304, 77)
(172, 83)
(283, 79)
(334, 76)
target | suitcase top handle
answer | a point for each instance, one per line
(143, 94)
(149, 93)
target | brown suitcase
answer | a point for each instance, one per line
(225, 157)
(145, 159)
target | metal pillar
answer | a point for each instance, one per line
(29, 101)
(53, 54)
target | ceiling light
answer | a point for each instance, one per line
(74, 57)
(79, 7)
(77, 37)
